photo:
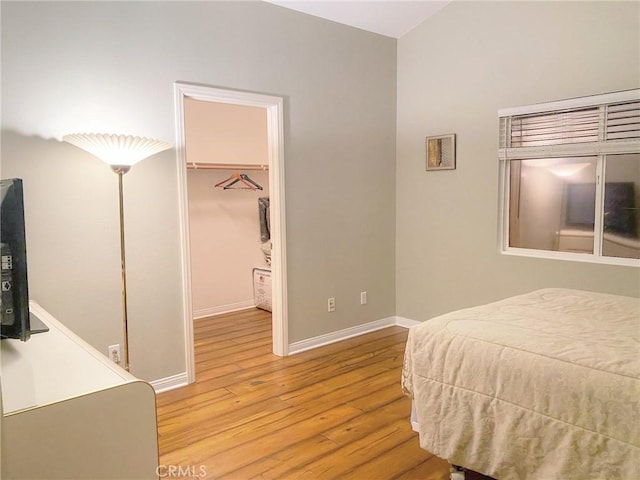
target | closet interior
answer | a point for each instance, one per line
(229, 215)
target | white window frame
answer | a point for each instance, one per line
(598, 149)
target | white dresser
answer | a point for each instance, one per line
(68, 412)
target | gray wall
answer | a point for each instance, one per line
(89, 66)
(454, 72)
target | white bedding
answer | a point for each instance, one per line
(540, 386)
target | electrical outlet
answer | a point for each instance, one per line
(331, 304)
(114, 353)
(363, 298)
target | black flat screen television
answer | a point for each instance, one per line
(619, 207)
(16, 320)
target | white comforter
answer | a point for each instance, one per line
(539, 386)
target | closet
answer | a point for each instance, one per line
(228, 194)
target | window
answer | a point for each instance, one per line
(570, 179)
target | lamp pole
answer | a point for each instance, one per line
(120, 170)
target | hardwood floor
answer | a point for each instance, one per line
(333, 412)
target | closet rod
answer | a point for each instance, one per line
(225, 166)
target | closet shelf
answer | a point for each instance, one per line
(225, 166)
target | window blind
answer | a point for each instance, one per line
(623, 121)
(599, 128)
(555, 128)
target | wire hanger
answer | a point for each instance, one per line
(235, 178)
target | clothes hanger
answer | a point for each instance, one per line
(245, 178)
(233, 176)
(228, 183)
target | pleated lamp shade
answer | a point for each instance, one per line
(121, 150)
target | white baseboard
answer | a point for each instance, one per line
(232, 307)
(406, 322)
(333, 337)
(180, 380)
(169, 383)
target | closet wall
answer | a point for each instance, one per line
(224, 224)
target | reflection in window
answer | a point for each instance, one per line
(552, 204)
(621, 200)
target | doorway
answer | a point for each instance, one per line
(273, 107)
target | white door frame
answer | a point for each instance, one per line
(275, 134)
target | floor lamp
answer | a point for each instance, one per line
(120, 152)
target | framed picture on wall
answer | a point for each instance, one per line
(441, 152)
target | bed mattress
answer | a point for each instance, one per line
(544, 386)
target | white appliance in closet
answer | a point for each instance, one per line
(262, 287)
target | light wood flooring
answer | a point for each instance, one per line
(335, 412)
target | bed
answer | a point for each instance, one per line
(540, 386)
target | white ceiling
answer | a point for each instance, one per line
(392, 18)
